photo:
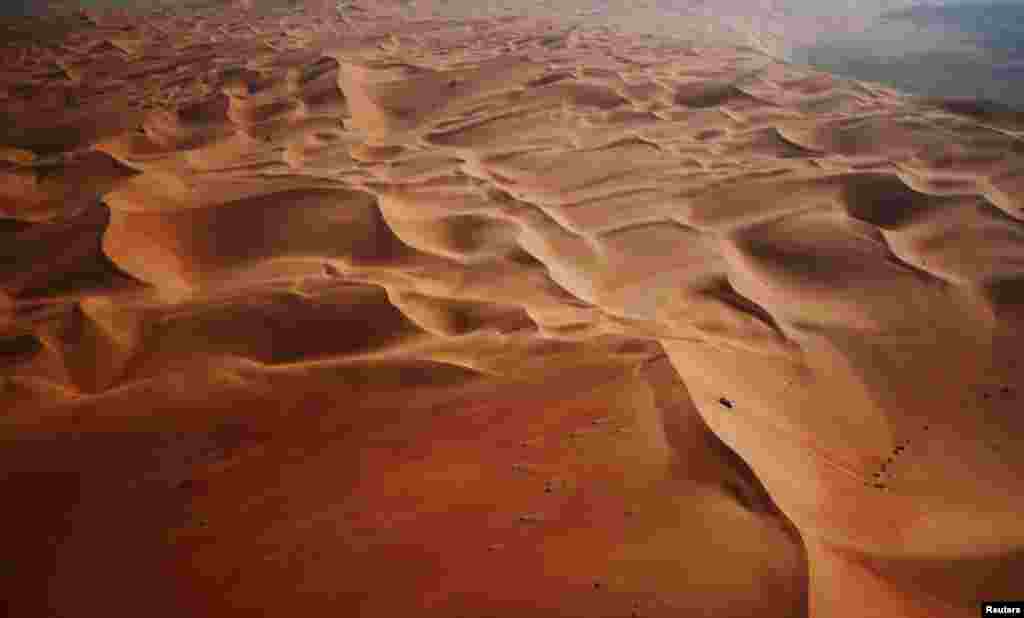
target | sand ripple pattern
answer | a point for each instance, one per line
(244, 197)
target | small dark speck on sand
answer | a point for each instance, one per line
(725, 403)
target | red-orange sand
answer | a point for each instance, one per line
(308, 312)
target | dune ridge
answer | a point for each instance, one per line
(246, 205)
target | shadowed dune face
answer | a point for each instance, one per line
(389, 316)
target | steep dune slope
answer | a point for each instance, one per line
(395, 316)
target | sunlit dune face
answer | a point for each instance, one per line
(360, 310)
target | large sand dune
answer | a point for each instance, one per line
(382, 314)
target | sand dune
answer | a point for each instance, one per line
(386, 314)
